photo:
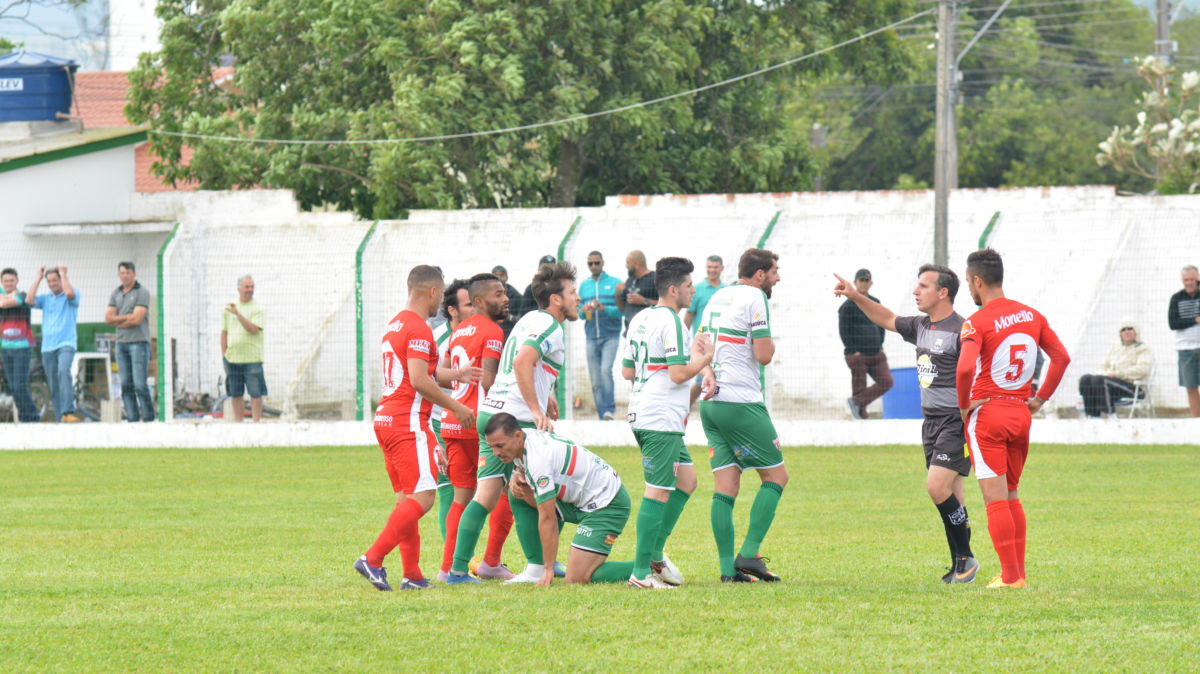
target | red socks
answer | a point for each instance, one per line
(1018, 516)
(452, 518)
(498, 527)
(1003, 532)
(400, 530)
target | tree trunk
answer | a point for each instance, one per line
(566, 180)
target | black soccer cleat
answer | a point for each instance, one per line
(755, 566)
(738, 577)
(948, 577)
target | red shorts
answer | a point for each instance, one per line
(462, 455)
(998, 437)
(409, 459)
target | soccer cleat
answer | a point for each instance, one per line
(377, 576)
(755, 566)
(652, 582)
(422, 584)
(531, 574)
(560, 569)
(442, 576)
(855, 412)
(965, 569)
(461, 579)
(666, 572)
(948, 577)
(738, 577)
(488, 572)
(998, 583)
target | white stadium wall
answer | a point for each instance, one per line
(1083, 256)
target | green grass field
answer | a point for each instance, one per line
(240, 560)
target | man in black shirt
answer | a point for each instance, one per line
(527, 303)
(863, 344)
(638, 291)
(1184, 318)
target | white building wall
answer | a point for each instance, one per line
(94, 187)
(1083, 256)
(132, 29)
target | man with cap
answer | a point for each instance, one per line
(514, 300)
(528, 303)
(863, 346)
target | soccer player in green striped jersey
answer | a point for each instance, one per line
(529, 365)
(661, 359)
(567, 483)
(739, 429)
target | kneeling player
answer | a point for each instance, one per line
(564, 479)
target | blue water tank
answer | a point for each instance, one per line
(35, 87)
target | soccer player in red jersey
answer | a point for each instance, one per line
(995, 365)
(410, 388)
(476, 342)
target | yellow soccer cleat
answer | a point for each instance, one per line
(998, 583)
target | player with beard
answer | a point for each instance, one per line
(532, 357)
(739, 429)
(475, 342)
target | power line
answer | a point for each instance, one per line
(556, 122)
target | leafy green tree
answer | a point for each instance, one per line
(370, 69)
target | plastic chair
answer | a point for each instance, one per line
(1140, 398)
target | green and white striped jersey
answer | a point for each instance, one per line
(558, 468)
(657, 339)
(736, 316)
(539, 330)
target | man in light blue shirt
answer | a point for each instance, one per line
(704, 292)
(598, 299)
(60, 309)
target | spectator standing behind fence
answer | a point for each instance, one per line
(128, 311)
(16, 345)
(1127, 362)
(640, 290)
(863, 342)
(602, 326)
(1184, 319)
(528, 303)
(514, 300)
(60, 308)
(242, 350)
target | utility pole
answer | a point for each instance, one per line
(1163, 47)
(945, 170)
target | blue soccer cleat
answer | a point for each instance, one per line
(461, 579)
(377, 576)
(422, 584)
(560, 570)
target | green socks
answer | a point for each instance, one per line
(674, 508)
(722, 526)
(445, 496)
(762, 513)
(649, 523)
(526, 520)
(613, 572)
(468, 535)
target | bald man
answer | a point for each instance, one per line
(638, 291)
